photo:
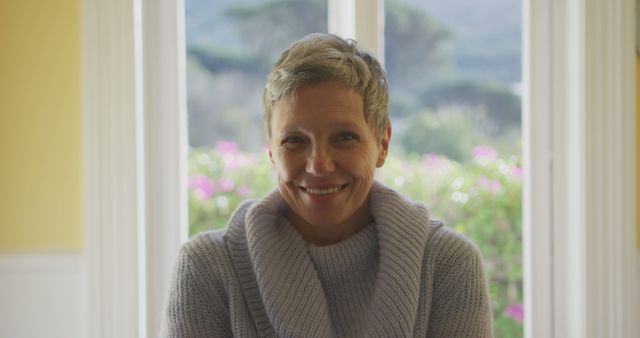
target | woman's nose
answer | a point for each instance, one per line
(320, 161)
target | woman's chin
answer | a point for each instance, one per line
(321, 221)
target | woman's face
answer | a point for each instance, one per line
(324, 154)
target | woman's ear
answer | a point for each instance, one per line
(383, 147)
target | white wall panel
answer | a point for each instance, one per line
(42, 296)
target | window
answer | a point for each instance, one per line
(455, 111)
(134, 193)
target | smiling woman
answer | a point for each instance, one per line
(331, 252)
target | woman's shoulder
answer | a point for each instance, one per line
(207, 252)
(457, 287)
(205, 243)
(447, 248)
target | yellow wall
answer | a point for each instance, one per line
(638, 145)
(40, 125)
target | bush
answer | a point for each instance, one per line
(450, 133)
(481, 199)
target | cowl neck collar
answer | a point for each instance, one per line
(282, 288)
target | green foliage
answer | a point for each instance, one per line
(449, 133)
(501, 105)
(414, 43)
(219, 104)
(481, 199)
(220, 60)
(268, 28)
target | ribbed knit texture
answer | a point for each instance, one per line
(347, 273)
(400, 277)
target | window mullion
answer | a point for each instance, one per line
(362, 20)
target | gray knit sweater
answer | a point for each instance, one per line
(402, 276)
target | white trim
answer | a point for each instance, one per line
(135, 150)
(537, 192)
(340, 16)
(362, 20)
(34, 262)
(113, 166)
(43, 289)
(580, 196)
(610, 115)
(166, 149)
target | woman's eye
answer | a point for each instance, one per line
(292, 142)
(347, 138)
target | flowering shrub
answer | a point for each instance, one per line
(481, 199)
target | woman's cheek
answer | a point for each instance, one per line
(284, 170)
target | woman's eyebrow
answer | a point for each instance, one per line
(299, 127)
(347, 124)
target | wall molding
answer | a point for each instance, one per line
(62, 262)
(610, 173)
(31, 285)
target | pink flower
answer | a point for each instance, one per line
(492, 185)
(226, 185)
(517, 172)
(432, 160)
(515, 312)
(244, 191)
(202, 186)
(484, 152)
(235, 161)
(227, 147)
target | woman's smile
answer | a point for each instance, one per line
(326, 190)
(320, 195)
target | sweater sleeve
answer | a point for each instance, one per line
(460, 304)
(196, 307)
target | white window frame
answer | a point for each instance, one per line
(580, 191)
(135, 168)
(362, 20)
(580, 161)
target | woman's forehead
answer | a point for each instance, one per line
(321, 98)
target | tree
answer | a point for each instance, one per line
(500, 104)
(414, 45)
(270, 27)
(449, 133)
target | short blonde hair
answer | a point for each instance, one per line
(323, 58)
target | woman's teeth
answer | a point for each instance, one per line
(323, 191)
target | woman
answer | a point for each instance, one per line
(331, 252)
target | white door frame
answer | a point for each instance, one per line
(579, 196)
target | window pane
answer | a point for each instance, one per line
(231, 45)
(454, 72)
